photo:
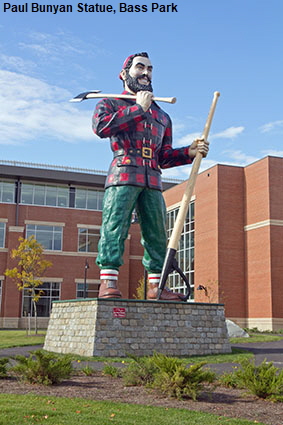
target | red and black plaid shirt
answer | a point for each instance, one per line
(141, 142)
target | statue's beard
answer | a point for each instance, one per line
(135, 86)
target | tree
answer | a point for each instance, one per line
(139, 295)
(31, 266)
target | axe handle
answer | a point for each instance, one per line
(128, 96)
(168, 265)
(179, 223)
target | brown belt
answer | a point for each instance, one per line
(144, 152)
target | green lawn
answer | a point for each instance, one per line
(256, 338)
(31, 409)
(235, 357)
(19, 338)
(16, 338)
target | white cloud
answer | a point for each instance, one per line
(183, 172)
(272, 152)
(275, 125)
(174, 173)
(180, 125)
(52, 44)
(238, 158)
(187, 139)
(33, 109)
(235, 158)
(12, 63)
(61, 46)
(229, 133)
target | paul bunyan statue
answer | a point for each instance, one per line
(140, 134)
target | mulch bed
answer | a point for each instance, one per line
(222, 401)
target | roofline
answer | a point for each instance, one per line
(60, 174)
(219, 164)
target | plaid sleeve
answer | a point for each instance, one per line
(112, 117)
(169, 157)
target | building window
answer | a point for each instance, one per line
(7, 192)
(91, 290)
(50, 237)
(88, 199)
(39, 194)
(2, 234)
(185, 253)
(88, 240)
(51, 292)
(1, 286)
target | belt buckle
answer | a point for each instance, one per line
(147, 153)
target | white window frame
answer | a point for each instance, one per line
(46, 224)
(185, 252)
(93, 230)
(100, 195)
(92, 289)
(1, 290)
(50, 298)
(12, 183)
(3, 221)
(45, 188)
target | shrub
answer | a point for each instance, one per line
(88, 371)
(230, 380)
(3, 367)
(111, 370)
(264, 381)
(43, 368)
(140, 372)
(169, 375)
(176, 379)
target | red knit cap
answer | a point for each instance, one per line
(125, 64)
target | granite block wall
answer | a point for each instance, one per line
(96, 327)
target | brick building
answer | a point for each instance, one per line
(231, 247)
(63, 210)
(238, 241)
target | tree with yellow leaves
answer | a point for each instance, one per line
(31, 267)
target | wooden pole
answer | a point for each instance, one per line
(182, 214)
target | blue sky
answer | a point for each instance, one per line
(232, 46)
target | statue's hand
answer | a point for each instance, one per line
(144, 99)
(199, 145)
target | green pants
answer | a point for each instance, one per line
(118, 205)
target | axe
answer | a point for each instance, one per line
(96, 94)
(170, 263)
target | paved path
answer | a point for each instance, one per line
(14, 351)
(269, 351)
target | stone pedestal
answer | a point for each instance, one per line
(110, 328)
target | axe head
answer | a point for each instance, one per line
(83, 96)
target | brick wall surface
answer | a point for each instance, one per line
(239, 240)
(238, 244)
(68, 264)
(174, 194)
(257, 198)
